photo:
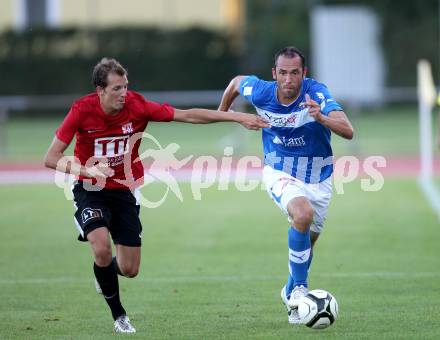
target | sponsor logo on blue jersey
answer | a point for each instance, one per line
(289, 142)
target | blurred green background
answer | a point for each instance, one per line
(189, 49)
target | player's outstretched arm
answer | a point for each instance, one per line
(231, 92)
(55, 159)
(204, 116)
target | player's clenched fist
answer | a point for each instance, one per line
(314, 108)
(100, 170)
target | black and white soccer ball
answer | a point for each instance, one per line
(318, 309)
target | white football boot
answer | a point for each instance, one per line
(123, 325)
(297, 293)
(292, 313)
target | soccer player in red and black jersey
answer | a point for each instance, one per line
(103, 123)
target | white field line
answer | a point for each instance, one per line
(171, 279)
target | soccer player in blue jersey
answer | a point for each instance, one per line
(298, 162)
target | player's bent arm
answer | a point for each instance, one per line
(55, 159)
(55, 153)
(231, 92)
(337, 122)
(204, 116)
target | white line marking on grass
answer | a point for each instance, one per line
(383, 275)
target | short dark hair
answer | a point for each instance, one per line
(290, 52)
(102, 70)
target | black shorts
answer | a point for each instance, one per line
(115, 209)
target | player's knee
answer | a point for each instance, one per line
(303, 219)
(102, 253)
(129, 270)
(132, 273)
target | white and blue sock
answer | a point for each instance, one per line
(290, 282)
(299, 257)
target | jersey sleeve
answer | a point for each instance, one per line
(69, 126)
(159, 112)
(250, 88)
(320, 93)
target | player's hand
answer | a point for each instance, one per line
(252, 122)
(100, 170)
(314, 108)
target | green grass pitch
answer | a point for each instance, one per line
(213, 269)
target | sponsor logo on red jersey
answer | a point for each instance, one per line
(111, 146)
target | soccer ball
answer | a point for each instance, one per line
(318, 309)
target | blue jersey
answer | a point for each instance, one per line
(295, 143)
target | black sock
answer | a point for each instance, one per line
(108, 280)
(115, 263)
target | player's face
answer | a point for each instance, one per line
(289, 74)
(113, 95)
